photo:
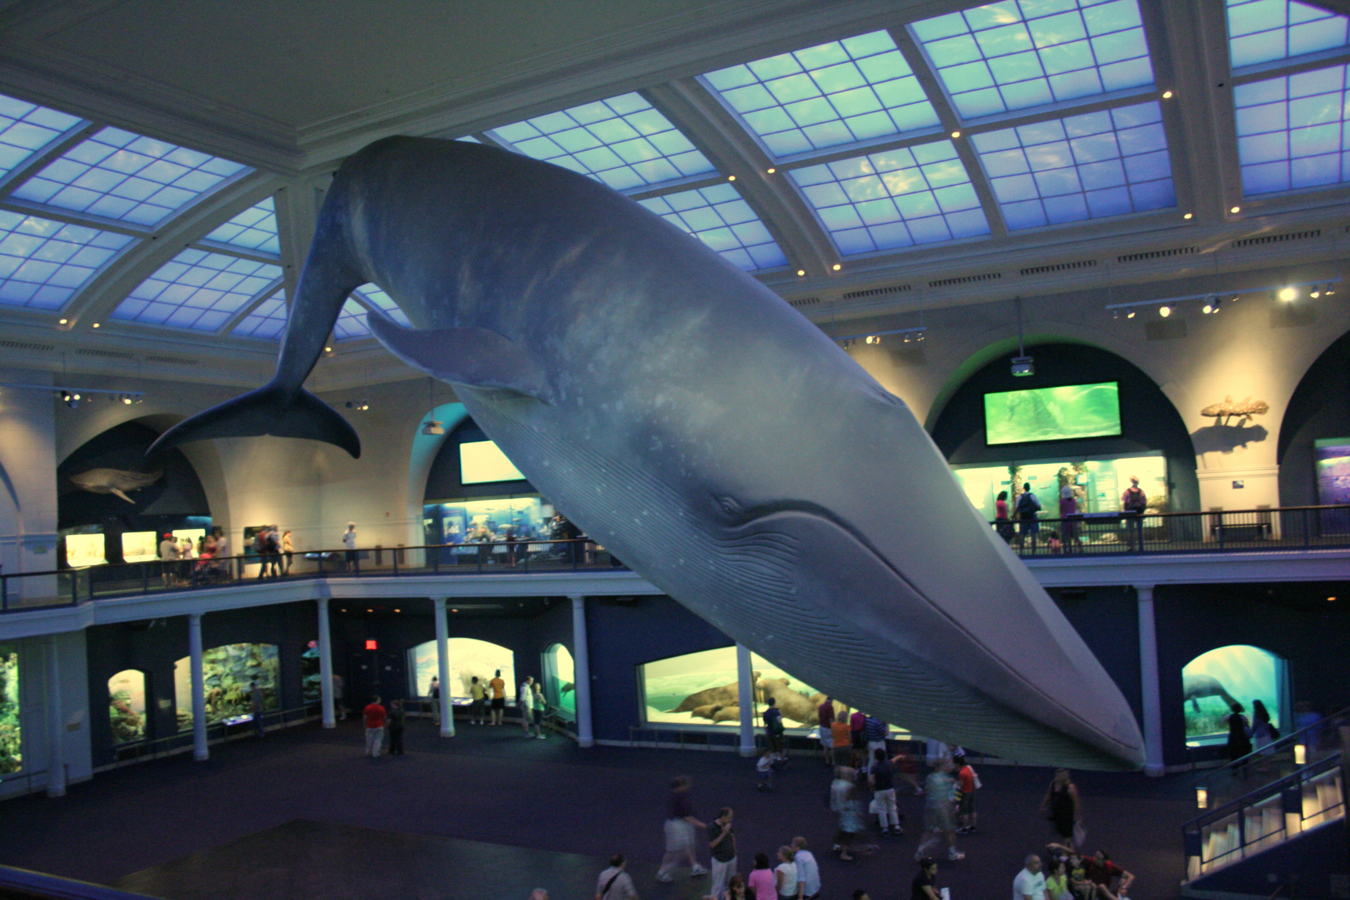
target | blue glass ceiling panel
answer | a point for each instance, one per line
(267, 321)
(253, 229)
(1266, 30)
(42, 263)
(836, 93)
(1098, 164)
(25, 129)
(378, 299)
(127, 177)
(1292, 131)
(197, 290)
(351, 322)
(621, 141)
(894, 199)
(721, 219)
(1006, 56)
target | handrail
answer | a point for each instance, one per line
(24, 883)
(1266, 790)
(1284, 743)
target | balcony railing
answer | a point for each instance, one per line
(1228, 531)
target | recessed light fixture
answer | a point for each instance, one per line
(1315, 292)
(1235, 210)
(65, 322)
(1129, 314)
(327, 349)
(836, 267)
(801, 272)
(96, 325)
(731, 178)
(771, 170)
(1167, 95)
(1164, 311)
(1189, 216)
(955, 135)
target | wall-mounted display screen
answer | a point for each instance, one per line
(86, 550)
(126, 706)
(1331, 457)
(1098, 482)
(228, 671)
(139, 546)
(469, 658)
(483, 461)
(11, 736)
(1063, 413)
(1213, 681)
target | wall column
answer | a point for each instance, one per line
(56, 763)
(745, 692)
(1148, 680)
(326, 666)
(581, 660)
(199, 749)
(443, 668)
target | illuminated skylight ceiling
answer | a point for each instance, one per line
(621, 141)
(253, 229)
(378, 299)
(1291, 131)
(43, 262)
(721, 219)
(267, 320)
(25, 129)
(351, 322)
(1266, 30)
(197, 290)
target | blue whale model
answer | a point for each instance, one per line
(693, 422)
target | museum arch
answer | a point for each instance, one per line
(1318, 410)
(1236, 673)
(425, 449)
(1149, 422)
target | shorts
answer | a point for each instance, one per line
(679, 836)
(967, 804)
(499, 703)
(859, 740)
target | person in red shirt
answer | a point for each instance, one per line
(1101, 872)
(374, 716)
(965, 786)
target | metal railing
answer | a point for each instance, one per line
(216, 732)
(68, 587)
(1310, 744)
(1228, 531)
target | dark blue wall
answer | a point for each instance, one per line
(1319, 408)
(443, 480)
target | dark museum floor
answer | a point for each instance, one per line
(489, 814)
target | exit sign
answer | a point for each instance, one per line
(372, 645)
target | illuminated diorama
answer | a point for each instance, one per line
(1100, 482)
(1213, 681)
(139, 546)
(228, 671)
(469, 658)
(84, 550)
(126, 706)
(11, 729)
(1061, 413)
(1331, 457)
(463, 523)
(559, 687)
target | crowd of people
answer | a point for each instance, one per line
(184, 561)
(1026, 509)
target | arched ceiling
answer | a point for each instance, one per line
(161, 164)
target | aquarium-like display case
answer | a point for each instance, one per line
(1239, 672)
(11, 728)
(228, 671)
(469, 658)
(1064, 413)
(139, 546)
(84, 550)
(464, 524)
(559, 687)
(1331, 458)
(1099, 482)
(311, 678)
(126, 706)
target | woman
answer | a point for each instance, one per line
(1239, 732)
(1062, 808)
(1002, 524)
(288, 549)
(785, 876)
(762, 882)
(736, 889)
(844, 803)
(1263, 732)
(1057, 880)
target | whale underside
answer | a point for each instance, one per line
(691, 421)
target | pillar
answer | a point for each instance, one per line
(745, 692)
(56, 768)
(443, 668)
(326, 666)
(1148, 680)
(199, 749)
(581, 661)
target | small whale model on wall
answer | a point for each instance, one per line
(1244, 409)
(114, 481)
(713, 438)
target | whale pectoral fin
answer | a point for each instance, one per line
(475, 357)
(122, 495)
(265, 411)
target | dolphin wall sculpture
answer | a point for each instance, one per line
(692, 421)
(114, 481)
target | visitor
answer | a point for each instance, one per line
(762, 880)
(1105, 875)
(737, 889)
(525, 705)
(881, 778)
(1133, 503)
(434, 695)
(168, 555)
(1068, 516)
(773, 728)
(924, 885)
(498, 687)
(843, 802)
(339, 708)
(374, 718)
(785, 874)
(825, 719)
(222, 553)
(1028, 505)
(842, 740)
(540, 706)
(272, 548)
(722, 846)
(1062, 808)
(1052, 541)
(397, 723)
(764, 770)
(288, 549)
(477, 708)
(857, 729)
(966, 783)
(680, 830)
(938, 813)
(615, 883)
(1030, 883)
(1264, 731)
(1239, 732)
(808, 870)
(349, 562)
(876, 732)
(907, 769)
(1057, 880)
(1002, 524)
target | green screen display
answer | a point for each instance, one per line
(1052, 414)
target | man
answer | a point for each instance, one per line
(842, 741)
(825, 718)
(168, 554)
(808, 870)
(255, 703)
(397, 724)
(965, 786)
(875, 731)
(374, 716)
(434, 693)
(525, 702)
(680, 825)
(1133, 503)
(338, 707)
(349, 541)
(1102, 872)
(882, 781)
(773, 728)
(1028, 505)
(722, 844)
(1030, 883)
(857, 725)
(498, 698)
(924, 885)
(615, 883)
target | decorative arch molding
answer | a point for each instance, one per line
(422, 456)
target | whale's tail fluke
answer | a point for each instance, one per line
(270, 409)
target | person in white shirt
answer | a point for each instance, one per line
(808, 870)
(349, 541)
(1030, 882)
(614, 882)
(525, 700)
(786, 874)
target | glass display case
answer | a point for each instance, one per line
(126, 706)
(11, 728)
(469, 658)
(1213, 681)
(228, 671)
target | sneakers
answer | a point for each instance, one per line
(664, 877)
(953, 854)
(697, 871)
(540, 736)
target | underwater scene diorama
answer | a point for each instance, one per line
(126, 706)
(1332, 460)
(310, 678)
(701, 689)
(1052, 413)
(559, 687)
(11, 736)
(469, 659)
(1213, 681)
(227, 671)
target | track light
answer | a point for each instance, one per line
(1164, 311)
(433, 426)
(1288, 294)
(1211, 305)
(874, 339)
(1129, 314)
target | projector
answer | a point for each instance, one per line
(433, 427)
(1023, 365)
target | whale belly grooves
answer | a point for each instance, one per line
(802, 590)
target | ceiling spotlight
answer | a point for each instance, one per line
(907, 338)
(771, 170)
(1167, 95)
(96, 325)
(955, 135)
(126, 399)
(874, 339)
(1129, 314)
(1189, 216)
(433, 426)
(64, 322)
(1210, 305)
(801, 273)
(1115, 314)
(836, 267)
(1235, 210)
(1164, 311)
(1329, 289)
(1288, 295)
(1315, 292)
(731, 178)
(327, 349)
(918, 337)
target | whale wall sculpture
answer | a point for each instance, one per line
(693, 422)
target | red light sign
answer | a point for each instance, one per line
(372, 645)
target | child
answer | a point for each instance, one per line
(966, 783)
(765, 769)
(1055, 546)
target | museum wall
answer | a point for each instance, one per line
(27, 474)
(1107, 619)
(75, 733)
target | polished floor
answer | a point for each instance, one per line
(489, 814)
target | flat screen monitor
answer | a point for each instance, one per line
(481, 462)
(1063, 413)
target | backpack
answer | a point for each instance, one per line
(1028, 504)
(1135, 500)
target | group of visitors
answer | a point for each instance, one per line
(378, 720)
(1027, 508)
(1248, 735)
(275, 550)
(184, 561)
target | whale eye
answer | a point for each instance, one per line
(728, 505)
